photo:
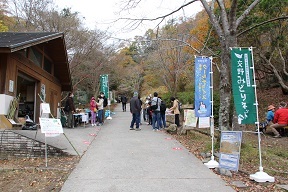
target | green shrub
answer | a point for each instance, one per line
(185, 97)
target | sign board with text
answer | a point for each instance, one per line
(51, 126)
(230, 147)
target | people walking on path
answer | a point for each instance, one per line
(155, 105)
(129, 161)
(175, 110)
(124, 102)
(93, 109)
(135, 109)
(100, 110)
(70, 109)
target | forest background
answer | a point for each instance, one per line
(162, 59)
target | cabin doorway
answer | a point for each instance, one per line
(26, 87)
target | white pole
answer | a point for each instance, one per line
(212, 163)
(260, 176)
(109, 101)
(46, 156)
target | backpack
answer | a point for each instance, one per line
(105, 102)
(124, 99)
(162, 107)
(154, 107)
(67, 107)
(179, 105)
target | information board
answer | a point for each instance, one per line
(189, 118)
(203, 122)
(230, 147)
(50, 126)
(45, 108)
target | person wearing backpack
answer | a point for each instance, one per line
(124, 102)
(175, 110)
(69, 109)
(100, 110)
(155, 106)
(162, 114)
(105, 103)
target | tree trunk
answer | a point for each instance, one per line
(225, 91)
(225, 83)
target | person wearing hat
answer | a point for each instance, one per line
(280, 119)
(93, 109)
(135, 109)
(270, 114)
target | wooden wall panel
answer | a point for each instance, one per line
(3, 68)
(52, 86)
(53, 95)
(10, 75)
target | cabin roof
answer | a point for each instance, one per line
(55, 45)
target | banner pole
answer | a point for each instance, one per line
(212, 163)
(260, 176)
(46, 156)
(109, 101)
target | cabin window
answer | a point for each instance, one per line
(47, 65)
(35, 56)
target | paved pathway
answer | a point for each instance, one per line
(121, 160)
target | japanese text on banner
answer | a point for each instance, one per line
(202, 87)
(104, 85)
(242, 81)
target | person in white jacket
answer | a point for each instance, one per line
(100, 110)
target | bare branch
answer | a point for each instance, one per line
(283, 62)
(177, 40)
(276, 73)
(246, 12)
(263, 23)
(213, 19)
(225, 22)
(160, 17)
(232, 15)
(130, 4)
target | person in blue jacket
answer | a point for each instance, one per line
(270, 113)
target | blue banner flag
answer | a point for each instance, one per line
(202, 87)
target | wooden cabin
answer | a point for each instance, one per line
(33, 64)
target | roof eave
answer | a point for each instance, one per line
(5, 50)
(23, 45)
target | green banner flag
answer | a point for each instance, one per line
(104, 85)
(242, 85)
